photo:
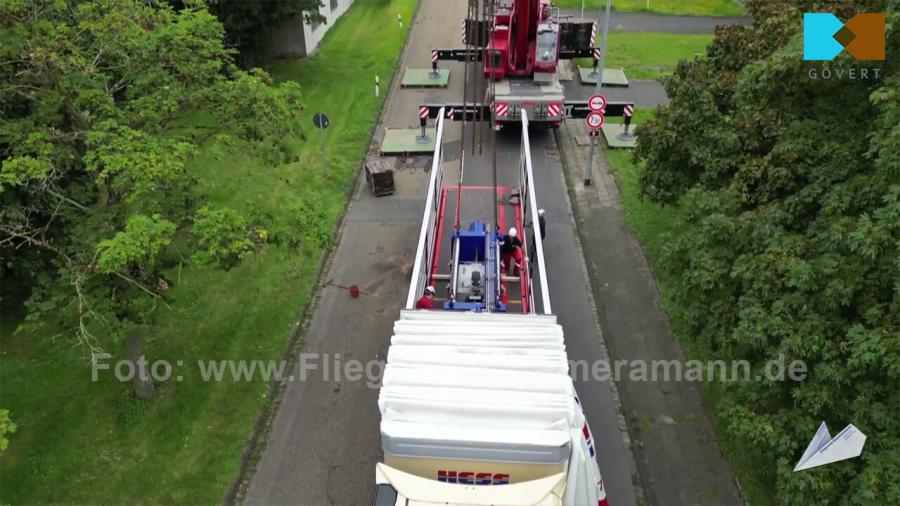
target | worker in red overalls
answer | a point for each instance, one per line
(511, 249)
(426, 301)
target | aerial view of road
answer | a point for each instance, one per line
(411, 252)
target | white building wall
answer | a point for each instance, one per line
(332, 10)
(295, 38)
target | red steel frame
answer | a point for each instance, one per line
(501, 213)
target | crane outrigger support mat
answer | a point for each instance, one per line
(613, 132)
(407, 141)
(425, 78)
(611, 77)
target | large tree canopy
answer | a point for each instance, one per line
(103, 105)
(791, 241)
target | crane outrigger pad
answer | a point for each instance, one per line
(405, 141)
(611, 77)
(425, 78)
(611, 132)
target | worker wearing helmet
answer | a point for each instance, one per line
(511, 249)
(426, 301)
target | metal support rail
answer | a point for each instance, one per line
(427, 238)
(533, 211)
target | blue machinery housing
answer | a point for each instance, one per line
(477, 256)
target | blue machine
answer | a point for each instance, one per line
(474, 272)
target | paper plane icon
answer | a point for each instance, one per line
(823, 449)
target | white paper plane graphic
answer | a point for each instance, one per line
(823, 449)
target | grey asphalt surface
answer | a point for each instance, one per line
(645, 93)
(647, 22)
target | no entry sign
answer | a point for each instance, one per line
(597, 103)
(595, 120)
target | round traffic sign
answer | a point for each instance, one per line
(597, 103)
(595, 120)
(321, 121)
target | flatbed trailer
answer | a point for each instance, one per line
(477, 404)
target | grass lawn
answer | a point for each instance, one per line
(653, 223)
(649, 55)
(92, 443)
(685, 7)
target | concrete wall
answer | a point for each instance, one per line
(294, 38)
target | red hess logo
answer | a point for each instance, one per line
(473, 478)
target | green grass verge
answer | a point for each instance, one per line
(653, 223)
(649, 55)
(684, 7)
(93, 443)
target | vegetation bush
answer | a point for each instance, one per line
(789, 243)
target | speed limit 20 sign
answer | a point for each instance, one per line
(595, 120)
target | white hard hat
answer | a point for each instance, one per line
(541, 212)
(512, 232)
(429, 289)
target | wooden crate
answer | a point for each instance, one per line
(380, 176)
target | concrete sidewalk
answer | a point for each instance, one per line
(674, 440)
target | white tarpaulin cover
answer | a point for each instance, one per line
(485, 387)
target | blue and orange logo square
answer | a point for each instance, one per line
(825, 36)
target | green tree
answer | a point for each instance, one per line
(791, 241)
(7, 427)
(100, 104)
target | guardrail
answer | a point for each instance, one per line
(425, 250)
(530, 210)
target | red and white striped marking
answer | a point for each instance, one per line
(450, 112)
(629, 111)
(423, 112)
(434, 57)
(554, 109)
(596, 53)
(462, 30)
(593, 33)
(501, 108)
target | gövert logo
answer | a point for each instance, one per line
(824, 36)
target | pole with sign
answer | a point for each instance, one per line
(423, 121)
(627, 113)
(593, 141)
(321, 122)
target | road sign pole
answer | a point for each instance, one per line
(324, 152)
(593, 140)
(321, 122)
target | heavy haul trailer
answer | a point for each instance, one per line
(477, 406)
(520, 43)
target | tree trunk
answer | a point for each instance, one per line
(142, 382)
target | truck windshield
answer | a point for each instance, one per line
(546, 45)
